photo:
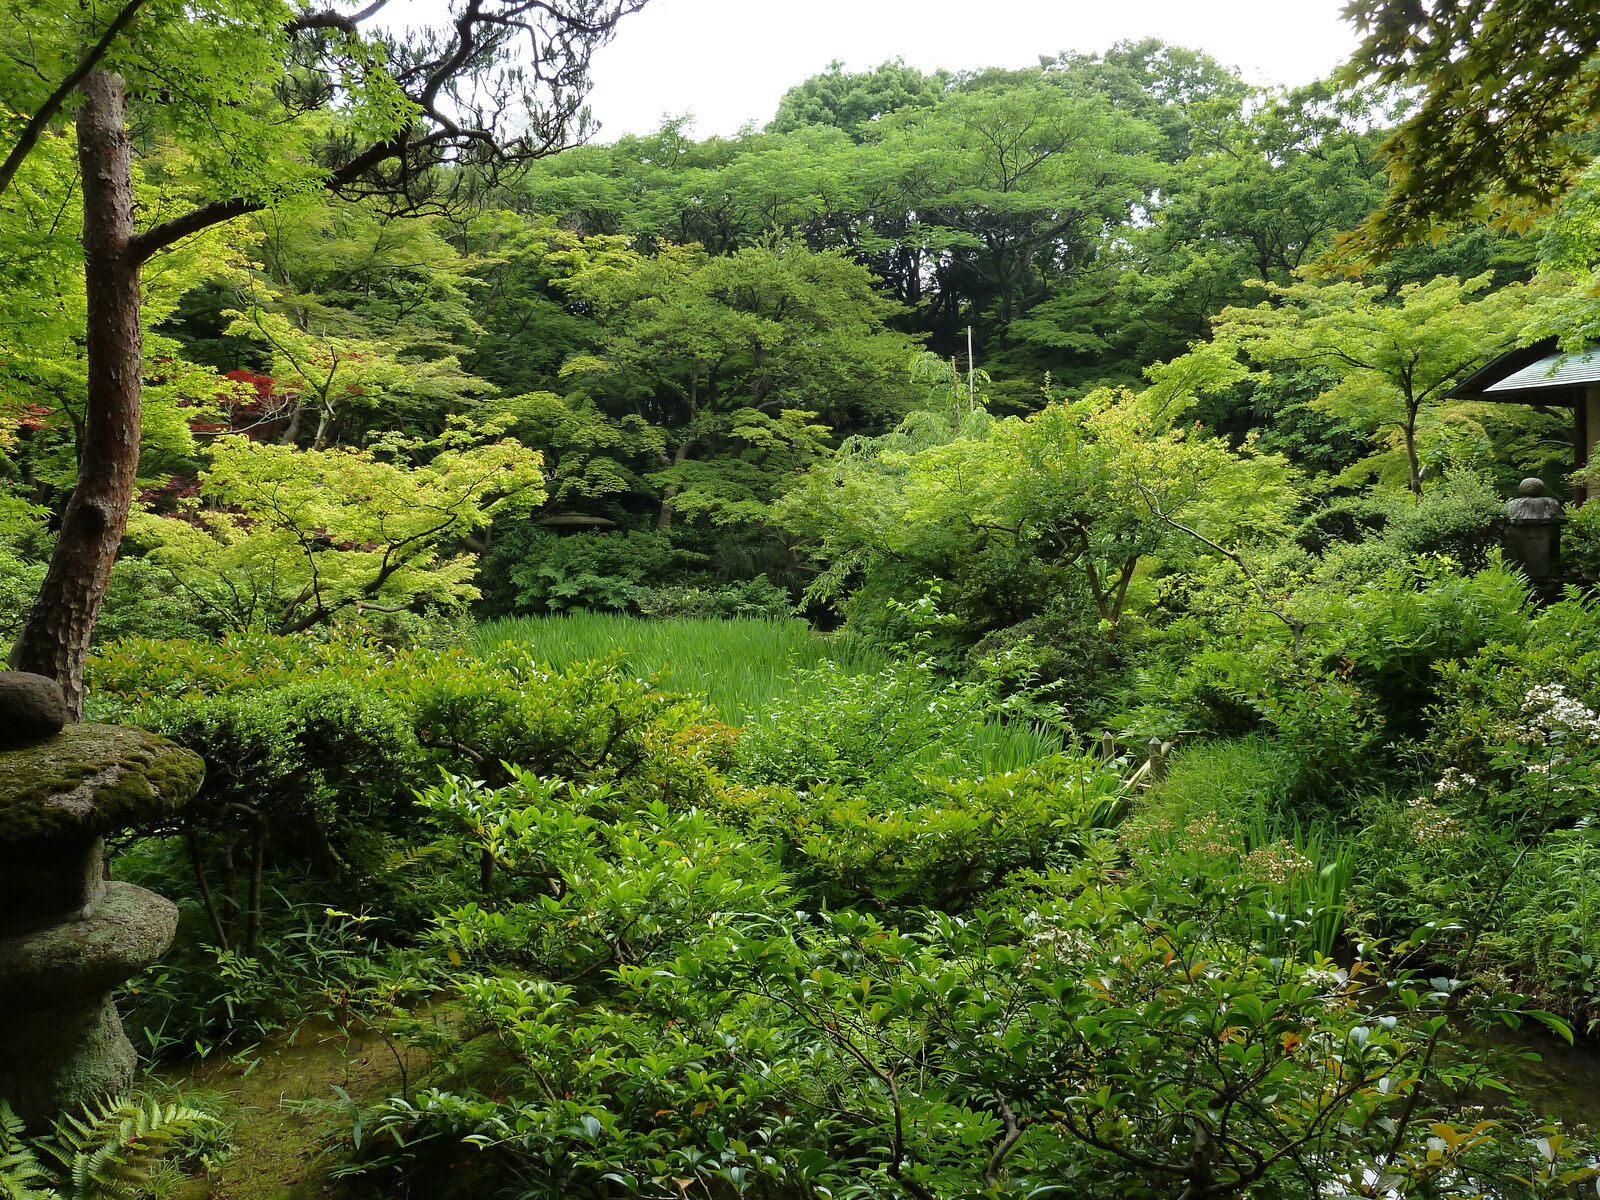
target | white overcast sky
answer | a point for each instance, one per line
(726, 62)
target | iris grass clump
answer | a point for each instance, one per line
(739, 665)
(742, 667)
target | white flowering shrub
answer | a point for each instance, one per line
(1517, 732)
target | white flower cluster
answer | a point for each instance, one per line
(1548, 709)
(1325, 979)
(1048, 940)
(1432, 825)
(1453, 782)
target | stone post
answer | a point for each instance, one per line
(69, 937)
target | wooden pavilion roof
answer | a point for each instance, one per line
(1539, 374)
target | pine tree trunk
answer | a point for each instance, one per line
(55, 640)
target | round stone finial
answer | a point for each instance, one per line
(1531, 486)
(32, 708)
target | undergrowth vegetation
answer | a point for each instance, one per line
(898, 931)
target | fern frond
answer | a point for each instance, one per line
(111, 1151)
(20, 1170)
(405, 858)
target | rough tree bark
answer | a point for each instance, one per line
(55, 640)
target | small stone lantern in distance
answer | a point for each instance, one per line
(1533, 531)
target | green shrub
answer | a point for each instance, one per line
(19, 584)
(593, 722)
(125, 674)
(319, 761)
(536, 571)
(1550, 933)
(1457, 517)
(140, 602)
(576, 881)
(965, 838)
(1516, 732)
(1225, 815)
(1064, 1036)
(1066, 654)
(1396, 633)
(875, 734)
(755, 598)
(1419, 865)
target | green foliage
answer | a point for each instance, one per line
(892, 786)
(1395, 357)
(1552, 906)
(1009, 514)
(328, 375)
(109, 1152)
(578, 882)
(311, 756)
(592, 722)
(727, 361)
(867, 731)
(1062, 1032)
(316, 965)
(1515, 728)
(1365, 536)
(1580, 540)
(896, 935)
(751, 598)
(547, 572)
(21, 1173)
(1060, 654)
(1500, 96)
(296, 538)
(1224, 815)
(19, 583)
(857, 100)
(1570, 253)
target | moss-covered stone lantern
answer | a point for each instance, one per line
(68, 936)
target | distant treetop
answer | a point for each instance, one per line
(853, 100)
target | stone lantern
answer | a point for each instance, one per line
(68, 936)
(1532, 536)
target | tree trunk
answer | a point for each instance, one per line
(1412, 460)
(291, 434)
(669, 493)
(324, 426)
(55, 640)
(665, 513)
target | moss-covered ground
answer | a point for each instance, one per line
(286, 1125)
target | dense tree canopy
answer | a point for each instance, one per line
(1394, 358)
(256, 103)
(683, 327)
(1505, 85)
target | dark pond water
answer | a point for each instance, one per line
(1565, 1080)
